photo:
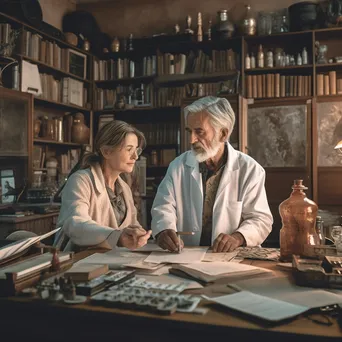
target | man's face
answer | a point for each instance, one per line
(204, 141)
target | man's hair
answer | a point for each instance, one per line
(219, 109)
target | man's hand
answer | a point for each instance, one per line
(168, 239)
(228, 243)
(134, 237)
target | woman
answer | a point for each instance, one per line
(97, 205)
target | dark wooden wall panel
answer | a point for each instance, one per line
(330, 186)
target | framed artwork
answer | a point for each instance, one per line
(77, 63)
(15, 124)
(329, 133)
(277, 135)
(7, 182)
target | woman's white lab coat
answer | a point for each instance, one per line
(240, 205)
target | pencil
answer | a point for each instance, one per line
(179, 238)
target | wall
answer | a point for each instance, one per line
(54, 10)
(147, 17)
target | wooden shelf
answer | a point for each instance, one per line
(51, 68)
(135, 109)
(192, 77)
(63, 106)
(52, 142)
(126, 80)
(44, 34)
(328, 66)
(286, 68)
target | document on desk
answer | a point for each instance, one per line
(285, 289)
(212, 257)
(187, 256)
(114, 259)
(19, 246)
(269, 309)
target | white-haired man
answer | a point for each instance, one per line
(213, 190)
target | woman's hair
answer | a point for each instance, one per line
(219, 109)
(112, 134)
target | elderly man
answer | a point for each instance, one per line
(213, 190)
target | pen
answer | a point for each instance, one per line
(179, 238)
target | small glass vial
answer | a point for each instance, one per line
(269, 59)
(304, 57)
(261, 58)
(278, 58)
(299, 59)
(247, 62)
(320, 230)
(253, 62)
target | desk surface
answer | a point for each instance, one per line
(87, 322)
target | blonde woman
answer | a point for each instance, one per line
(97, 205)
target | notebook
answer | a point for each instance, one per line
(211, 271)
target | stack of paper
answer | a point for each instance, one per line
(211, 271)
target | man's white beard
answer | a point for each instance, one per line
(208, 153)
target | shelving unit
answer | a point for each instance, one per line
(170, 92)
(41, 147)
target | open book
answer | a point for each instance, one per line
(211, 271)
(17, 247)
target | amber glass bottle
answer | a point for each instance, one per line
(298, 215)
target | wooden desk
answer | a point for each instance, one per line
(26, 319)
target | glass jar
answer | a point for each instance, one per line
(298, 215)
(320, 230)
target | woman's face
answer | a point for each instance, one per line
(122, 159)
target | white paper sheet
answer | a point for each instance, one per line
(259, 306)
(187, 256)
(114, 259)
(282, 288)
(219, 268)
(210, 256)
(150, 247)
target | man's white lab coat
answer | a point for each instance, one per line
(240, 205)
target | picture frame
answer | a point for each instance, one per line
(329, 133)
(77, 63)
(277, 135)
(7, 182)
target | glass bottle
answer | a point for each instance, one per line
(253, 64)
(247, 62)
(269, 59)
(299, 59)
(298, 216)
(304, 56)
(225, 28)
(320, 230)
(249, 23)
(260, 57)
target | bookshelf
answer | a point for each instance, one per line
(52, 57)
(173, 71)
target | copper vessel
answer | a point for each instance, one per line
(298, 215)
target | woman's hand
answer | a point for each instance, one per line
(134, 237)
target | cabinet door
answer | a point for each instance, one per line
(15, 123)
